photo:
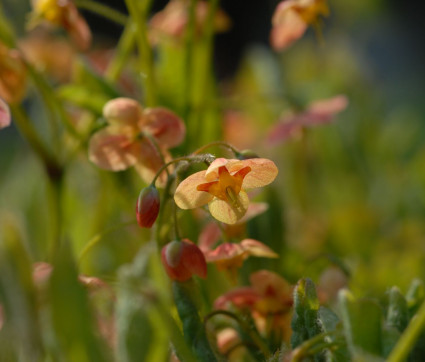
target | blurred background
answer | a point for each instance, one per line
(350, 193)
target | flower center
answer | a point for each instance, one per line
(228, 186)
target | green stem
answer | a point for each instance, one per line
(139, 15)
(247, 329)
(103, 10)
(123, 52)
(217, 143)
(409, 337)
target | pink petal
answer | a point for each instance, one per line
(263, 172)
(227, 213)
(224, 251)
(112, 151)
(209, 235)
(240, 297)
(257, 248)
(187, 196)
(164, 125)
(123, 111)
(287, 30)
(77, 27)
(265, 283)
(320, 112)
(212, 171)
(284, 130)
(5, 117)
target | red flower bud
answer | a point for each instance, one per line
(147, 208)
(182, 259)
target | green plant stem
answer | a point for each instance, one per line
(139, 11)
(247, 329)
(216, 143)
(409, 337)
(103, 10)
(123, 52)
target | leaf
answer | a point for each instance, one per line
(362, 321)
(398, 313)
(72, 317)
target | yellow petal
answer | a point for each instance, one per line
(187, 196)
(228, 213)
(263, 172)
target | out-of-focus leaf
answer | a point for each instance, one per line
(21, 333)
(398, 314)
(72, 319)
(415, 296)
(83, 97)
(362, 320)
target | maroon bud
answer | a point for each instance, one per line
(147, 208)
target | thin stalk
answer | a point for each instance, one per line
(103, 10)
(216, 143)
(139, 15)
(409, 337)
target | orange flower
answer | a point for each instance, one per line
(222, 186)
(317, 113)
(13, 75)
(173, 19)
(4, 114)
(232, 255)
(182, 259)
(62, 13)
(291, 18)
(132, 137)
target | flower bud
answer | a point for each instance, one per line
(247, 154)
(122, 111)
(182, 259)
(147, 208)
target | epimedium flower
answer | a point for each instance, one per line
(135, 137)
(291, 19)
(62, 13)
(182, 259)
(174, 18)
(319, 112)
(223, 186)
(13, 75)
(4, 114)
(147, 208)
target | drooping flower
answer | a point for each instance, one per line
(4, 114)
(13, 75)
(317, 113)
(232, 255)
(147, 208)
(135, 137)
(182, 259)
(174, 18)
(223, 186)
(62, 13)
(291, 19)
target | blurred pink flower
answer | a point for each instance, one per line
(291, 19)
(4, 114)
(317, 113)
(135, 137)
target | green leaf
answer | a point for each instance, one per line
(362, 321)
(415, 296)
(83, 97)
(398, 313)
(21, 333)
(73, 323)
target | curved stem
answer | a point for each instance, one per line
(103, 10)
(247, 329)
(217, 143)
(409, 336)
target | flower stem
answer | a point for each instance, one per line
(103, 10)
(409, 336)
(217, 143)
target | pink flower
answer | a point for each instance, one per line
(291, 19)
(223, 187)
(4, 114)
(182, 259)
(62, 13)
(135, 137)
(317, 113)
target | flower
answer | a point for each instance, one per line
(222, 186)
(317, 113)
(62, 13)
(232, 255)
(291, 18)
(173, 19)
(4, 114)
(135, 137)
(182, 259)
(13, 75)
(147, 206)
